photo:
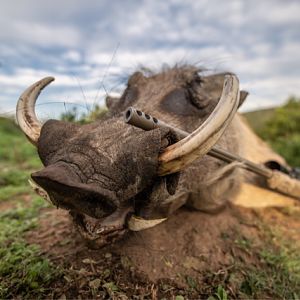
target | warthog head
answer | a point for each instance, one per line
(107, 171)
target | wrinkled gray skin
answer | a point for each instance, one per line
(104, 171)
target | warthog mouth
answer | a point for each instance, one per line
(102, 231)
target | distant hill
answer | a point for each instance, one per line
(258, 118)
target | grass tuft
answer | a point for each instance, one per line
(23, 271)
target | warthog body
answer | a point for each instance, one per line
(105, 171)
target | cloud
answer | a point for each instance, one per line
(89, 43)
(41, 35)
(72, 56)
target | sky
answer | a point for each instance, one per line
(91, 47)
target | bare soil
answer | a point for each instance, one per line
(190, 254)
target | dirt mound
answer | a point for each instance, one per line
(188, 245)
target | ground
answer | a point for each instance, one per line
(239, 253)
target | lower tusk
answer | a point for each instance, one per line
(137, 224)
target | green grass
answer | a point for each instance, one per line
(18, 158)
(278, 276)
(10, 192)
(23, 271)
(14, 149)
(13, 176)
(13, 183)
(220, 294)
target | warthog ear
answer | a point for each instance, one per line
(111, 102)
(117, 105)
(136, 78)
(243, 96)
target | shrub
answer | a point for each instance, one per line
(282, 131)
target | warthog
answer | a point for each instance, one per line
(106, 173)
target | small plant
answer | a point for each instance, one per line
(219, 295)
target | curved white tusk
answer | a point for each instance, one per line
(137, 224)
(198, 143)
(25, 113)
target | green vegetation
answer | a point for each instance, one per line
(281, 128)
(72, 115)
(219, 295)
(13, 150)
(17, 159)
(257, 119)
(283, 131)
(23, 271)
(268, 270)
(277, 276)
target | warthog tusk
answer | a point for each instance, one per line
(276, 180)
(137, 224)
(198, 143)
(25, 113)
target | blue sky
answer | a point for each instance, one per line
(88, 44)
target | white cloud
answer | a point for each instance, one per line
(73, 56)
(41, 35)
(75, 41)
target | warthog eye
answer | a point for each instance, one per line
(177, 102)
